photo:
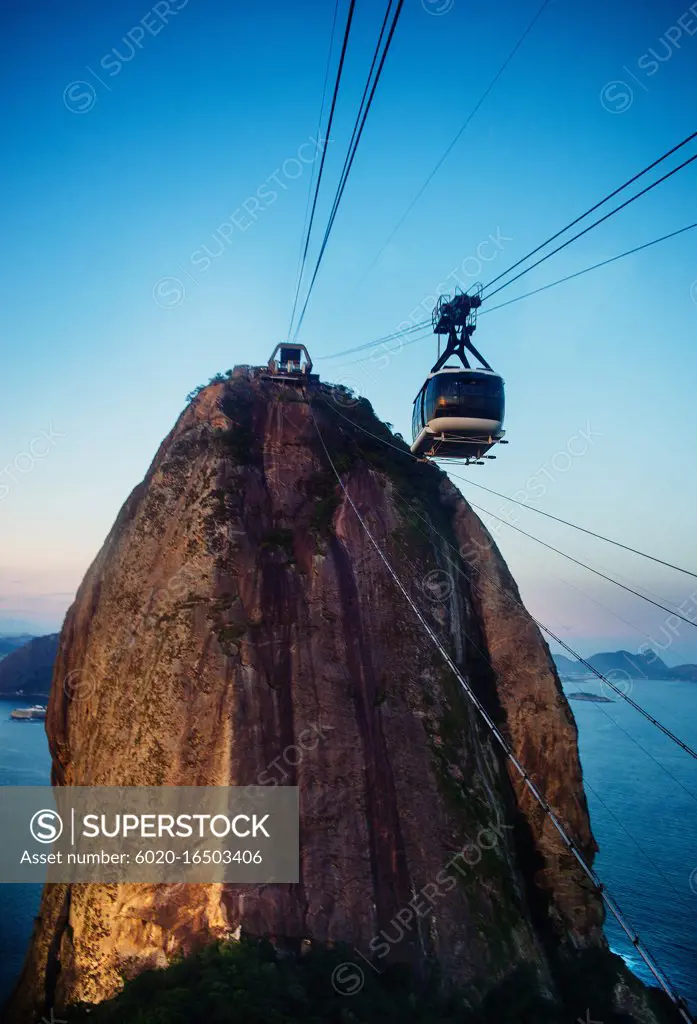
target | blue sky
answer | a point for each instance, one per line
(126, 156)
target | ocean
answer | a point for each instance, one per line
(24, 761)
(642, 792)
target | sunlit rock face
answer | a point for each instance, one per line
(240, 627)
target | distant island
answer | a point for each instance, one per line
(634, 666)
(27, 671)
(597, 698)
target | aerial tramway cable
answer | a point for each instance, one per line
(458, 135)
(423, 324)
(361, 111)
(301, 261)
(633, 838)
(516, 600)
(592, 209)
(525, 776)
(595, 266)
(575, 526)
(394, 335)
(583, 565)
(344, 45)
(616, 689)
(353, 148)
(601, 220)
(412, 340)
(599, 604)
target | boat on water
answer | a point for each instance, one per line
(36, 713)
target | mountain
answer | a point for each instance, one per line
(238, 607)
(11, 643)
(569, 669)
(636, 666)
(625, 664)
(687, 672)
(29, 668)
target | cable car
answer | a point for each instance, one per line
(459, 411)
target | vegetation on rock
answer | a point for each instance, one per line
(252, 982)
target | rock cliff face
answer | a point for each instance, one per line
(238, 603)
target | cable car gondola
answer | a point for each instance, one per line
(459, 411)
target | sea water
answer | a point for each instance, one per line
(642, 793)
(24, 761)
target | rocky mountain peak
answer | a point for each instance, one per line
(239, 627)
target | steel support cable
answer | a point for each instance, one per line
(644, 750)
(301, 263)
(609, 611)
(566, 583)
(518, 601)
(450, 462)
(419, 326)
(686, 747)
(647, 714)
(477, 585)
(592, 209)
(457, 137)
(587, 270)
(510, 302)
(390, 352)
(631, 835)
(361, 108)
(575, 526)
(616, 689)
(337, 83)
(342, 185)
(590, 227)
(584, 565)
(541, 626)
(568, 842)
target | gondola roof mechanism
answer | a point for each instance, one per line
(449, 315)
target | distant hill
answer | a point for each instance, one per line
(29, 668)
(569, 669)
(8, 644)
(636, 666)
(688, 672)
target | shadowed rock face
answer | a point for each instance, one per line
(238, 603)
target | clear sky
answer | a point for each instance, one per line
(125, 157)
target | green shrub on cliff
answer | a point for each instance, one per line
(253, 983)
(218, 378)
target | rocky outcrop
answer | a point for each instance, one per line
(237, 603)
(28, 669)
